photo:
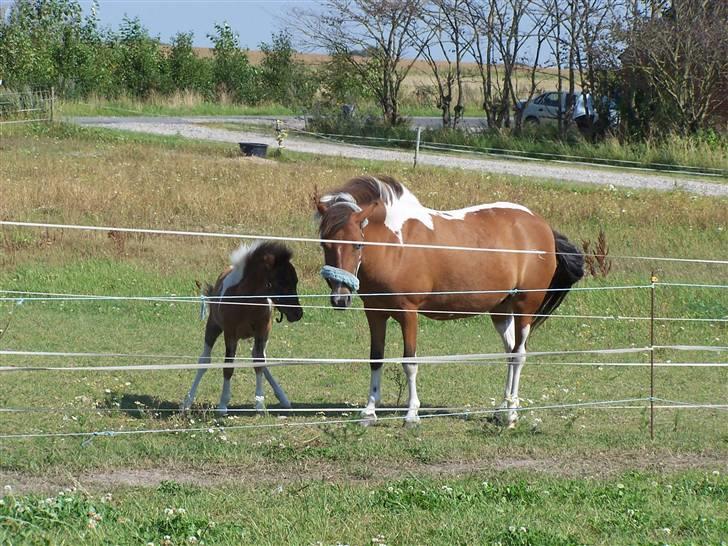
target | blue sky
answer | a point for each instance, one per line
(254, 20)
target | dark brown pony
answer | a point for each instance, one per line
(380, 209)
(241, 304)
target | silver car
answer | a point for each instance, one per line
(545, 108)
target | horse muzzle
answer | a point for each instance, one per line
(341, 297)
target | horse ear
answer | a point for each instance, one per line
(316, 201)
(362, 217)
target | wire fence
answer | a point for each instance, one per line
(32, 106)
(184, 362)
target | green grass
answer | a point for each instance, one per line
(513, 509)
(130, 107)
(336, 478)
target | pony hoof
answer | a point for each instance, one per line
(412, 423)
(368, 420)
(285, 404)
(221, 411)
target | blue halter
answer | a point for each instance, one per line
(334, 274)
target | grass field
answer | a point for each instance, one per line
(565, 476)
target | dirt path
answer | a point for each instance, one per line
(191, 128)
(290, 474)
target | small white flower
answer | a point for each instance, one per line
(666, 530)
(107, 391)
(169, 511)
(181, 511)
(192, 539)
(8, 489)
(512, 528)
(716, 473)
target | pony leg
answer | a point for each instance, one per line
(277, 390)
(212, 332)
(231, 346)
(377, 332)
(409, 333)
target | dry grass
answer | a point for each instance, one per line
(208, 187)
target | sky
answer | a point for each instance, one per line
(254, 20)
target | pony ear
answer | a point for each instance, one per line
(362, 217)
(269, 260)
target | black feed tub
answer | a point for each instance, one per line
(253, 149)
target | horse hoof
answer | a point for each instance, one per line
(221, 412)
(412, 423)
(285, 404)
(368, 420)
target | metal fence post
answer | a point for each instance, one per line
(417, 145)
(653, 280)
(53, 104)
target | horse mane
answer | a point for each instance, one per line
(352, 196)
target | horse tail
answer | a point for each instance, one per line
(569, 270)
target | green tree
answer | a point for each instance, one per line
(232, 72)
(141, 64)
(187, 71)
(285, 79)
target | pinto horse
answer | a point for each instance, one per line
(442, 284)
(241, 303)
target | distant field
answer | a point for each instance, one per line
(567, 475)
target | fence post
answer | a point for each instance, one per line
(417, 145)
(653, 280)
(53, 104)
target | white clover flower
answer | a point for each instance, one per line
(512, 528)
(8, 489)
(169, 511)
(716, 473)
(192, 539)
(181, 511)
(666, 530)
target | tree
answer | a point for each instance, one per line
(232, 71)
(444, 46)
(677, 60)
(373, 37)
(285, 79)
(186, 70)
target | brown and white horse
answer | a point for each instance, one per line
(380, 209)
(241, 304)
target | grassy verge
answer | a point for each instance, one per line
(165, 107)
(513, 509)
(335, 479)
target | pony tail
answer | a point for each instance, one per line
(569, 270)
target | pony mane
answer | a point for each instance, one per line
(247, 254)
(352, 196)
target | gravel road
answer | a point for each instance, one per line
(551, 170)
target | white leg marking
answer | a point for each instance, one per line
(413, 404)
(507, 331)
(518, 361)
(224, 397)
(204, 359)
(375, 393)
(259, 394)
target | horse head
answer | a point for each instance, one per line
(342, 230)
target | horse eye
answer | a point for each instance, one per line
(358, 247)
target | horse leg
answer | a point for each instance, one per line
(409, 334)
(377, 333)
(231, 345)
(212, 332)
(505, 326)
(522, 330)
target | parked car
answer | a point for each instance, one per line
(545, 108)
